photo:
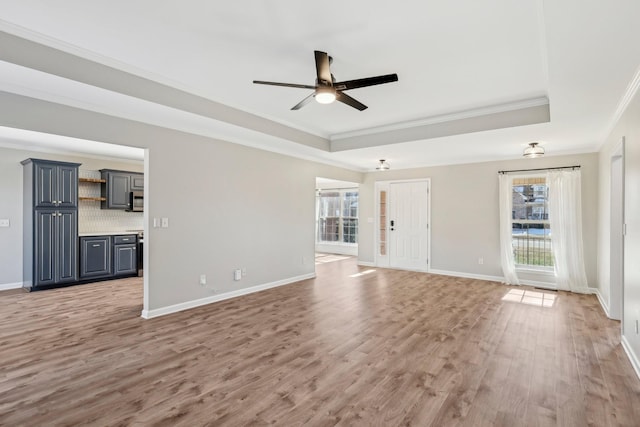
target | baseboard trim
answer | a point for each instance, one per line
(539, 284)
(631, 355)
(7, 286)
(467, 275)
(367, 264)
(604, 306)
(157, 312)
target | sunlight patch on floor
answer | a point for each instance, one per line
(362, 273)
(325, 258)
(540, 299)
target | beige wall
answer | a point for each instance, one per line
(628, 127)
(464, 212)
(229, 206)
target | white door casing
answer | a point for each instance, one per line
(408, 238)
(616, 245)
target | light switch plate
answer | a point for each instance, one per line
(4, 222)
(165, 222)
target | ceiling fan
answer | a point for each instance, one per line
(327, 90)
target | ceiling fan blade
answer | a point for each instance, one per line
(369, 81)
(260, 82)
(322, 67)
(346, 99)
(304, 102)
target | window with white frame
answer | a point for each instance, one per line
(337, 216)
(530, 223)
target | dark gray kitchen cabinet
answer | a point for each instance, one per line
(116, 189)
(55, 249)
(137, 182)
(56, 184)
(125, 258)
(50, 246)
(117, 186)
(95, 257)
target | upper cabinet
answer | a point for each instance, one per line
(117, 186)
(55, 184)
(137, 182)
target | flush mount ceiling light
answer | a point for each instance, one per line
(383, 166)
(533, 150)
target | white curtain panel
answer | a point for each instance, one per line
(506, 239)
(565, 220)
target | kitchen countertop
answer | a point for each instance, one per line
(106, 233)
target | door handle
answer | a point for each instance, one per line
(392, 224)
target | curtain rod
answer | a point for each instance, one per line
(541, 169)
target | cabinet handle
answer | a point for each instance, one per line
(96, 246)
(125, 240)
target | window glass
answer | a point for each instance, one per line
(530, 223)
(338, 216)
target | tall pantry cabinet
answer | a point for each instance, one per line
(50, 223)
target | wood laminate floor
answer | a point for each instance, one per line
(352, 347)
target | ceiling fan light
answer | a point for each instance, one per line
(325, 95)
(533, 150)
(383, 166)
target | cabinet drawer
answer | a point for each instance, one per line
(124, 240)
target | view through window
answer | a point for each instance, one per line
(338, 216)
(530, 223)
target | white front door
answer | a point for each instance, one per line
(408, 225)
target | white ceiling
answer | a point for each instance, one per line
(454, 60)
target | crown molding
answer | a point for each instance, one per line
(629, 94)
(443, 118)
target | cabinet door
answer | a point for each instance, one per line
(137, 182)
(45, 247)
(125, 259)
(67, 186)
(67, 246)
(46, 181)
(95, 256)
(119, 186)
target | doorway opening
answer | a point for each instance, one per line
(336, 219)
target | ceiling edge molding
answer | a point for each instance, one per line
(527, 115)
(31, 54)
(449, 117)
(23, 112)
(43, 39)
(627, 96)
(55, 150)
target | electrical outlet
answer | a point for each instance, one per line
(244, 272)
(237, 274)
(165, 222)
(203, 279)
(4, 222)
(481, 261)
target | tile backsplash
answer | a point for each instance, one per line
(93, 219)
